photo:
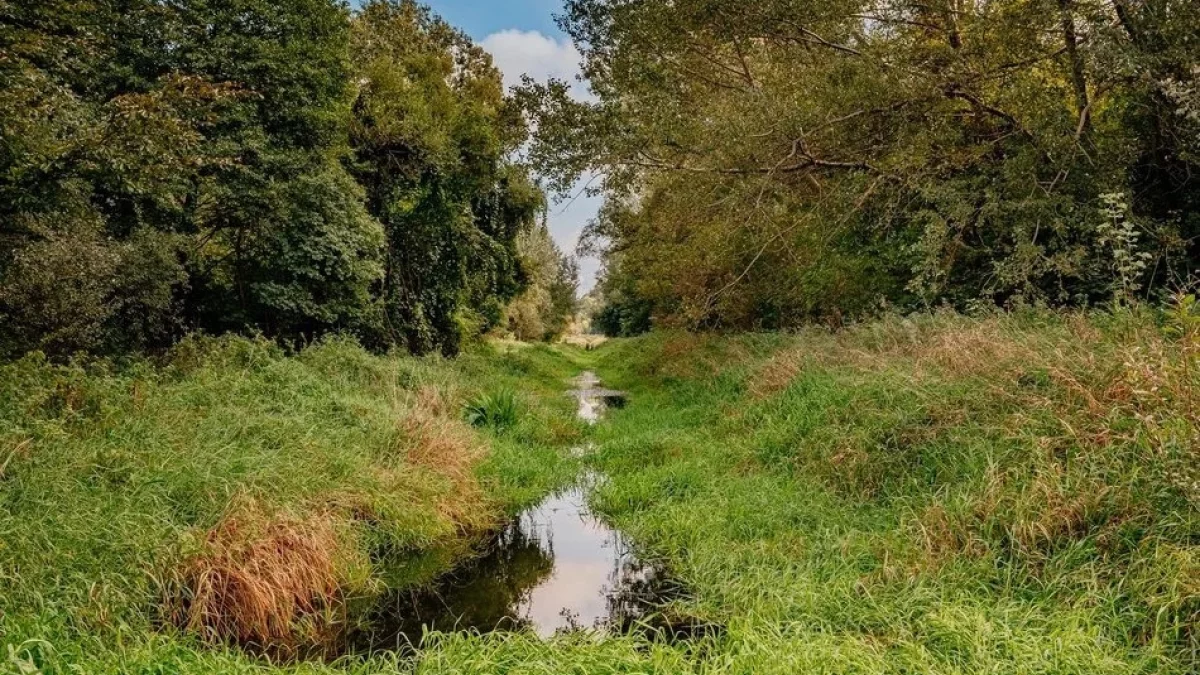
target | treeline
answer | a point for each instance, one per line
(290, 168)
(777, 162)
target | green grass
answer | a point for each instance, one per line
(113, 476)
(498, 410)
(927, 495)
(938, 494)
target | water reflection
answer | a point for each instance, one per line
(556, 567)
(593, 400)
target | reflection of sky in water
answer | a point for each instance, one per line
(592, 399)
(556, 567)
(589, 560)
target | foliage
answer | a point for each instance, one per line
(431, 132)
(778, 162)
(250, 166)
(498, 410)
(622, 312)
(548, 304)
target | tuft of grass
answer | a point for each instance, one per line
(497, 410)
(269, 583)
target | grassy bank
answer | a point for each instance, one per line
(930, 495)
(151, 514)
(938, 494)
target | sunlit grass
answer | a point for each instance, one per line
(150, 513)
(934, 494)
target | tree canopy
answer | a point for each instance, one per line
(287, 168)
(781, 161)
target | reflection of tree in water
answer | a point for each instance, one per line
(484, 594)
(637, 588)
(638, 597)
(500, 589)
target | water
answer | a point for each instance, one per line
(556, 567)
(593, 400)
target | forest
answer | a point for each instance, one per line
(283, 168)
(783, 162)
(892, 364)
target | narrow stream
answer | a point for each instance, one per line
(556, 567)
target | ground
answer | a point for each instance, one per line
(932, 494)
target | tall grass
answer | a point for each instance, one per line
(498, 410)
(930, 494)
(231, 495)
(933, 494)
(1010, 493)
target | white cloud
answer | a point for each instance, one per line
(518, 52)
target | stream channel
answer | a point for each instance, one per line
(555, 567)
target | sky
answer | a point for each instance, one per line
(523, 39)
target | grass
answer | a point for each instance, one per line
(498, 410)
(155, 515)
(932, 494)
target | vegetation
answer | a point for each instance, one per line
(953, 463)
(498, 410)
(546, 308)
(773, 163)
(933, 494)
(160, 515)
(249, 166)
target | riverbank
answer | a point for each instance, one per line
(152, 515)
(933, 494)
(936, 494)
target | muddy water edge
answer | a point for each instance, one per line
(555, 567)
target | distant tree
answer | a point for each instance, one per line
(544, 310)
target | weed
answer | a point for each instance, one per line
(498, 410)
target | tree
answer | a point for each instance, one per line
(545, 309)
(252, 166)
(432, 132)
(788, 160)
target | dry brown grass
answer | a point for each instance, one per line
(952, 348)
(433, 439)
(277, 583)
(270, 582)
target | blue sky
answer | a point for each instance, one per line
(523, 39)
(481, 18)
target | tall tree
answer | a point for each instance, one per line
(433, 133)
(784, 160)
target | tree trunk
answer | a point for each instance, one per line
(1083, 105)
